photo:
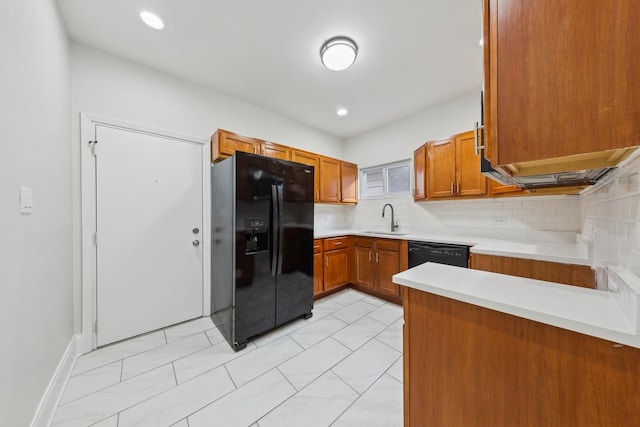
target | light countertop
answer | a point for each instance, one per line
(587, 311)
(562, 252)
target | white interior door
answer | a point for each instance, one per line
(149, 232)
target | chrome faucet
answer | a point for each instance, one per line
(394, 224)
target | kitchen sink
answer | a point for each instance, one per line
(386, 233)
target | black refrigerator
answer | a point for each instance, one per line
(262, 245)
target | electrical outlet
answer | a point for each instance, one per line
(498, 220)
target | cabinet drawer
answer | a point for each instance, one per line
(363, 242)
(336, 243)
(388, 244)
(317, 246)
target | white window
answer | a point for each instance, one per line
(389, 180)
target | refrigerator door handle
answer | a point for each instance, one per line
(275, 226)
(280, 194)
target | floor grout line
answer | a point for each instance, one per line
(360, 297)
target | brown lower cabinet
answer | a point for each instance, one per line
(331, 264)
(466, 365)
(366, 264)
(568, 274)
(318, 276)
(375, 263)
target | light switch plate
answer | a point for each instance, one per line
(26, 200)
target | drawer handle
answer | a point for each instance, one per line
(377, 257)
(337, 243)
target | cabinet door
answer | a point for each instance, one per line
(276, 151)
(364, 266)
(469, 182)
(225, 144)
(348, 182)
(336, 272)
(318, 267)
(311, 160)
(329, 180)
(441, 168)
(387, 264)
(420, 173)
(562, 77)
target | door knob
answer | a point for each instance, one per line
(196, 230)
(196, 243)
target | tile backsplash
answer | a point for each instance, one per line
(488, 217)
(611, 218)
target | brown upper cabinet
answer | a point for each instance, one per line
(276, 151)
(453, 168)
(338, 181)
(329, 180)
(310, 159)
(420, 173)
(334, 181)
(225, 143)
(561, 83)
(348, 182)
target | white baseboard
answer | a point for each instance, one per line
(52, 395)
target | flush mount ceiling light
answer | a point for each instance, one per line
(338, 53)
(152, 20)
(342, 112)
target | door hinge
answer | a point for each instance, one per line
(93, 145)
(95, 327)
(95, 238)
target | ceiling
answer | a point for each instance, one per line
(413, 54)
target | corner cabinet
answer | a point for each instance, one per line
(375, 263)
(561, 82)
(336, 253)
(454, 169)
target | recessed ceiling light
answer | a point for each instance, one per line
(338, 53)
(152, 20)
(342, 112)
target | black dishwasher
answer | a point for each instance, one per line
(441, 253)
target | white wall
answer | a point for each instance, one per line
(35, 250)
(398, 140)
(110, 86)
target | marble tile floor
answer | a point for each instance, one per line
(342, 367)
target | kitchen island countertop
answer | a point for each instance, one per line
(587, 311)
